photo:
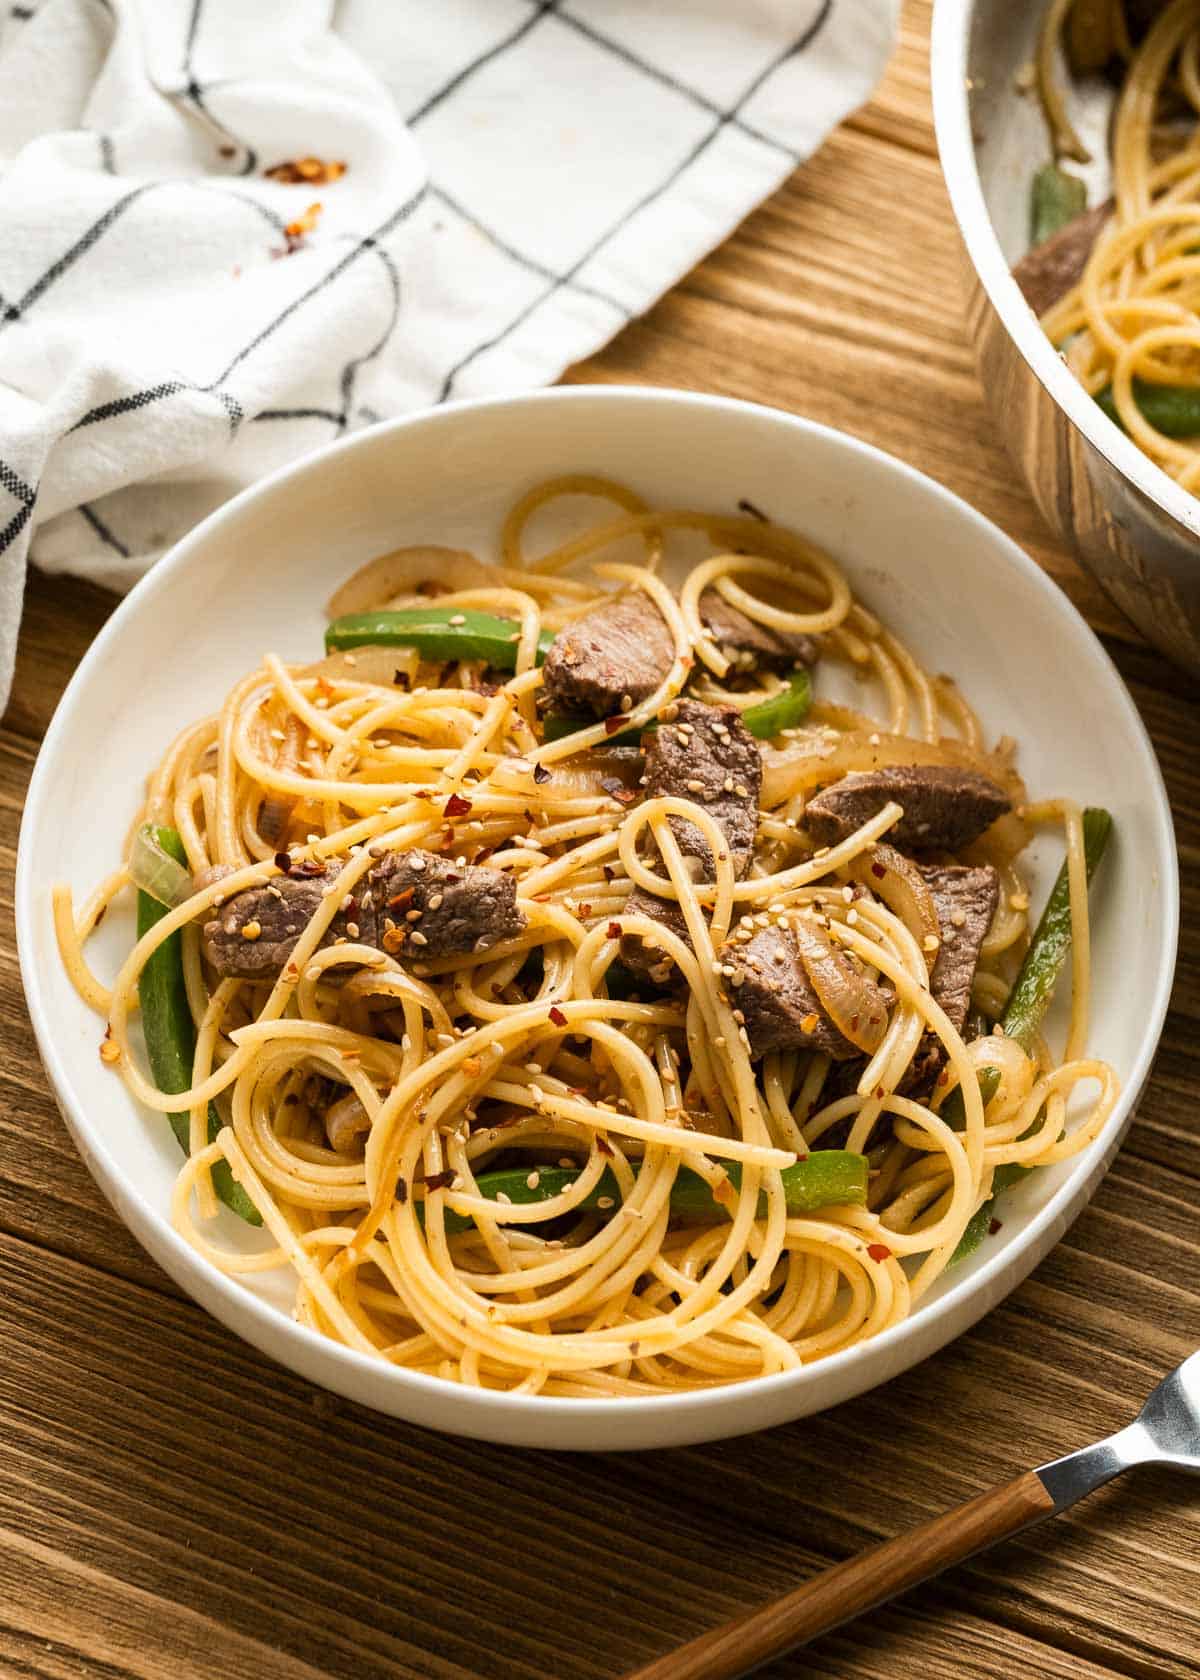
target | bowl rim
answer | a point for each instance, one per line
(948, 65)
(304, 1346)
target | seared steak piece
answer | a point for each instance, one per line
(706, 754)
(1049, 271)
(965, 901)
(623, 649)
(252, 934)
(447, 909)
(944, 808)
(781, 1009)
(415, 903)
(747, 644)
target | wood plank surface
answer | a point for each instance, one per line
(173, 1505)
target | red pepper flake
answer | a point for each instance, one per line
(880, 1093)
(603, 1147)
(400, 680)
(557, 1016)
(400, 899)
(723, 1192)
(294, 172)
(878, 871)
(437, 1181)
(325, 686)
(401, 1191)
(540, 774)
(616, 788)
(283, 860)
(879, 1251)
(456, 806)
(585, 911)
(311, 867)
(100, 915)
(296, 231)
(610, 873)
(612, 725)
(614, 930)
(995, 1225)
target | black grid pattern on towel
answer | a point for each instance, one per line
(722, 119)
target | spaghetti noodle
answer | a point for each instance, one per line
(660, 1236)
(1130, 328)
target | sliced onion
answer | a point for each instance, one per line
(155, 871)
(345, 1122)
(403, 571)
(809, 762)
(854, 1005)
(372, 663)
(899, 883)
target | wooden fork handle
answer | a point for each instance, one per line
(846, 1590)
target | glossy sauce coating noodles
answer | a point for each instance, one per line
(620, 1274)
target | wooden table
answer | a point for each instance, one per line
(174, 1506)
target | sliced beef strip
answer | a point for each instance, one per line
(944, 808)
(1048, 272)
(460, 908)
(414, 902)
(706, 754)
(965, 900)
(781, 1009)
(756, 644)
(622, 649)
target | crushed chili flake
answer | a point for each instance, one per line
(283, 860)
(614, 930)
(995, 1225)
(723, 1192)
(400, 899)
(400, 680)
(557, 1016)
(294, 172)
(879, 1251)
(613, 724)
(616, 788)
(603, 1146)
(608, 871)
(437, 1181)
(585, 911)
(456, 806)
(227, 150)
(540, 774)
(401, 1191)
(878, 871)
(307, 866)
(747, 506)
(296, 230)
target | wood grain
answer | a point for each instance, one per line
(172, 1505)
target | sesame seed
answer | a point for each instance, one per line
(352, 929)
(251, 930)
(417, 937)
(930, 942)
(959, 918)
(606, 1202)
(695, 786)
(742, 791)
(503, 1196)
(436, 901)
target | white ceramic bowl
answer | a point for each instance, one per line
(254, 576)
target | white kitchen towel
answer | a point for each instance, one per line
(521, 177)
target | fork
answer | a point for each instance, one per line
(1165, 1431)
